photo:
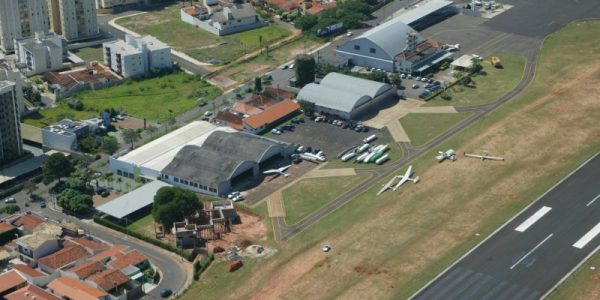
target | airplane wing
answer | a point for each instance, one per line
(283, 169)
(408, 172)
(386, 186)
(404, 178)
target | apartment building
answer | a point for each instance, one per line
(137, 56)
(11, 146)
(73, 19)
(40, 54)
(21, 18)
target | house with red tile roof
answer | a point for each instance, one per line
(271, 116)
(245, 109)
(115, 283)
(91, 246)
(10, 282)
(132, 258)
(32, 275)
(69, 288)
(30, 292)
(84, 270)
(28, 222)
(32, 247)
(62, 258)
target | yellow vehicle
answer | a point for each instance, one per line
(496, 62)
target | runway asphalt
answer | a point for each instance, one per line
(530, 254)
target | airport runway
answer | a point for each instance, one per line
(530, 254)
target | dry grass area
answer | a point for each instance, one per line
(387, 247)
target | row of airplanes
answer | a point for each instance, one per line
(317, 158)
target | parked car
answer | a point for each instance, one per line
(202, 103)
(233, 194)
(208, 113)
(276, 131)
(424, 79)
(165, 293)
(415, 86)
(237, 198)
(43, 205)
(10, 200)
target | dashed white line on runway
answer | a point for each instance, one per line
(593, 200)
(531, 251)
(534, 218)
(586, 238)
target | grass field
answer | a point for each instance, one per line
(390, 246)
(141, 225)
(584, 284)
(491, 86)
(90, 53)
(198, 43)
(151, 99)
(422, 128)
(307, 195)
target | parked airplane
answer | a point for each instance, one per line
(448, 154)
(313, 157)
(451, 47)
(280, 171)
(484, 157)
(403, 178)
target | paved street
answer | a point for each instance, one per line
(534, 251)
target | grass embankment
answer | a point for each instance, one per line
(390, 246)
(155, 99)
(492, 84)
(584, 284)
(90, 53)
(308, 195)
(167, 26)
(422, 128)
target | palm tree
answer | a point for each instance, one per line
(119, 180)
(130, 136)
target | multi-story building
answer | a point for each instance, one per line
(40, 54)
(21, 18)
(73, 19)
(9, 73)
(137, 56)
(11, 146)
(64, 134)
(117, 3)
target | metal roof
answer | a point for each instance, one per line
(390, 36)
(422, 10)
(342, 92)
(133, 201)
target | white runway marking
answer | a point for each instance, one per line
(534, 218)
(593, 200)
(531, 251)
(590, 235)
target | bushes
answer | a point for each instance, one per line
(201, 265)
(168, 247)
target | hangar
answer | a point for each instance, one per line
(427, 13)
(222, 161)
(395, 46)
(345, 96)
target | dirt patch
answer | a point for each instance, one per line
(99, 200)
(130, 123)
(253, 228)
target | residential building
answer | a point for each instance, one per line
(32, 247)
(93, 76)
(64, 134)
(40, 53)
(33, 276)
(91, 246)
(69, 288)
(27, 222)
(63, 258)
(113, 282)
(10, 282)
(271, 116)
(21, 18)
(84, 270)
(30, 292)
(222, 19)
(346, 96)
(137, 56)
(104, 4)
(73, 19)
(9, 72)
(11, 145)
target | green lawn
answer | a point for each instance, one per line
(154, 99)
(141, 224)
(422, 128)
(198, 43)
(90, 53)
(491, 86)
(583, 284)
(307, 195)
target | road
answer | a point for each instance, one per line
(530, 254)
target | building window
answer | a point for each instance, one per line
(356, 47)
(372, 50)
(176, 179)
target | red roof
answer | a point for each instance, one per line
(245, 109)
(109, 279)
(89, 244)
(87, 268)
(24, 269)
(28, 221)
(113, 251)
(10, 280)
(5, 227)
(30, 292)
(64, 257)
(272, 114)
(234, 121)
(132, 258)
(74, 289)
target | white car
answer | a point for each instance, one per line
(424, 79)
(10, 200)
(238, 198)
(402, 76)
(349, 33)
(275, 131)
(119, 117)
(415, 86)
(418, 78)
(233, 195)
(291, 66)
(326, 248)
(208, 113)
(409, 76)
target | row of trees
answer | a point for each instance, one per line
(350, 12)
(74, 194)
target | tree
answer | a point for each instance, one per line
(172, 204)
(130, 136)
(11, 209)
(75, 201)
(83, 161)
(396, 80)
(476, 66)
(257, 84)
(30, 187)
(306, 22)
(31, 94)
(109, 144)
(56, 166)
(79, 184)
(445, 95)
(305, 69)
(152, 130)
(307, 107)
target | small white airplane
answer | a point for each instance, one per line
(313, 157)
(485, 156)
(406, 178)
(403, 178)
(448, 154)
(280, 171)
(451, 47)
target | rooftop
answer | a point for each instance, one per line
(10, 280)
(132, 258)
(424, 8)
(64, 257)
(272, 114)
(111, 252)
(86, 269)
(65, 127)
(132, 201)
(28, 221)
(25, 269)
(160, 152)
(390, 37)
(109, 279)
(74, 289)
(5, 227)
(89, 243)
(34, 240)
(30, 292)
(246, 109)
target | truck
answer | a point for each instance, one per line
(496, 62)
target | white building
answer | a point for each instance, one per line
(64, 134)
(9, 73)
(21, 18)
(220, 19)
(103, 4)
(73, 19)
(137, 56)
(40, 54)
